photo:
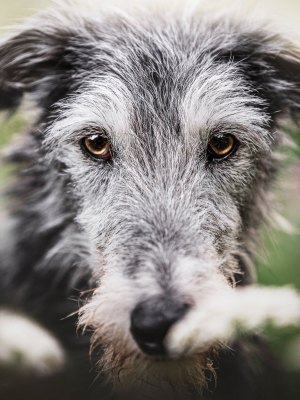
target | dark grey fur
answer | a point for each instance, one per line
(160, 86)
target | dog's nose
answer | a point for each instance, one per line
(151, 321)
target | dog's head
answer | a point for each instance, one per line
(164, 130)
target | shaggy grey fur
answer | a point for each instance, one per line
(161, 215)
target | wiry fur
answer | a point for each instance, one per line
(160, 218)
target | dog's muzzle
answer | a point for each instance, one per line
(151, 321)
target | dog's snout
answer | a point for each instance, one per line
(152, 319)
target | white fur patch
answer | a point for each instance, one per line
(25, 345)
(221, 316)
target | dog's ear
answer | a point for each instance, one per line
(280, 81)
(37, 60)
(272, 64)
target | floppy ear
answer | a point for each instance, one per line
(272, 65)
(280, 81)
(38, 60)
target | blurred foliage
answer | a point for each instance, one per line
(281, 265)
(13, 11)
(9, 126)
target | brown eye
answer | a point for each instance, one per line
(222, 146)
(98, 147)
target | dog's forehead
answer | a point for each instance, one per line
(160, 63)
(164, 77)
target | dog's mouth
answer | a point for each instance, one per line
(127, 363)
(126, 368)
(148, 339)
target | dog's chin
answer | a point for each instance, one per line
(128, 367)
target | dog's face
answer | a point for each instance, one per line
(163, 133)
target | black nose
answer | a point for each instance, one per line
(151, 321)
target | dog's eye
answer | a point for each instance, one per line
(222, 146)
(97, 146)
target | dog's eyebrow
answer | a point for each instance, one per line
(101, 102)
(219, 97)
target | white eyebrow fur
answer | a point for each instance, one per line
(103, 102)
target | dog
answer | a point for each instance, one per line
(143, 180)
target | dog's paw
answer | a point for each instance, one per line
(25, 346)
(223, 316)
